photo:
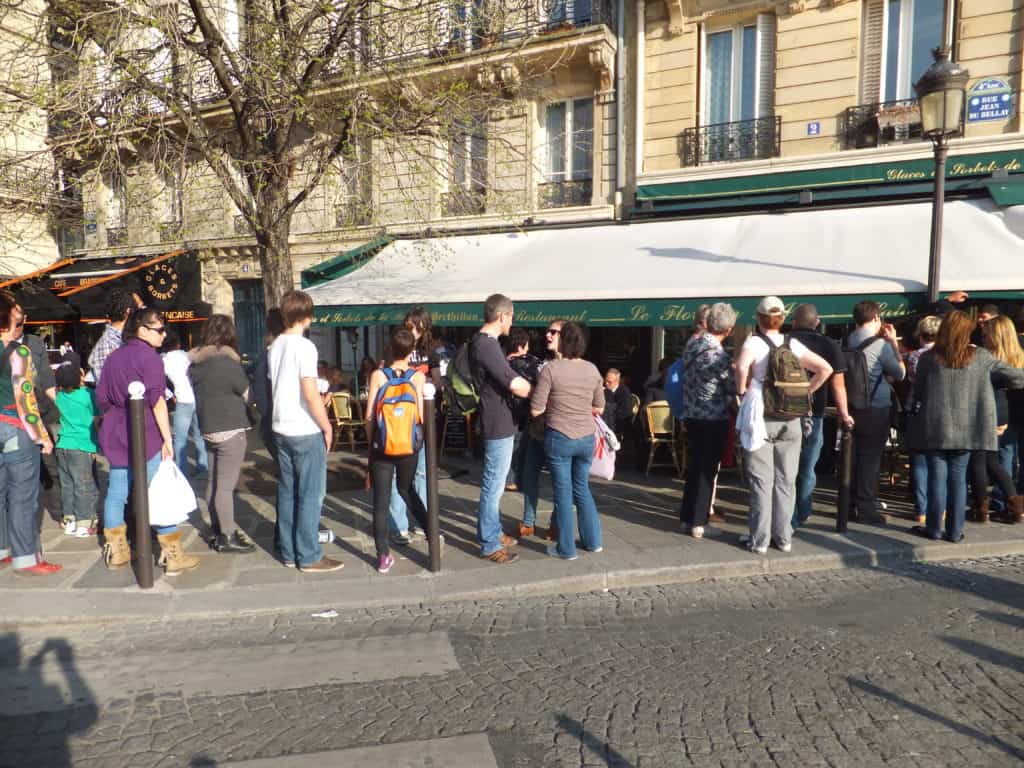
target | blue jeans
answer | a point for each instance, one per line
(806, 479)
(300, 497)
(1008, 454)
(570, 462)
(919, 475)
(79, 495)
(119, 485)
(398, 515)
(497, 460)
(947, 492)
(529, 479)
(19, 496)
(515, 472)
(185, 424)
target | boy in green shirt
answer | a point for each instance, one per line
(76, 450)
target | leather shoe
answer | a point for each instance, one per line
(238, 543)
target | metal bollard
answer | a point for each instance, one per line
(430, 446)
(845, 477)
(140, 486)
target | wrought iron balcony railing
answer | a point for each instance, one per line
(429, 28)
(36, 179)
(117, 236)
(565, 194)
(881, 123)
(731, 142)
(463, 202)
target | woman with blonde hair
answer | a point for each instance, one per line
(1000, 337)
(955, 414)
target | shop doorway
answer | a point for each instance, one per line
(250, 316)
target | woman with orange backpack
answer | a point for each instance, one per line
(394, 428)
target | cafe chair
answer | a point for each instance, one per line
(347, 418)
(661, 431)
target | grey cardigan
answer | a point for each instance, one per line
(957, 409)
(220, 385)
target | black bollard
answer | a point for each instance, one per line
(845, 478)
(430, 446)
(140, 486)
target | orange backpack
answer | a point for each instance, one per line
(399, 431)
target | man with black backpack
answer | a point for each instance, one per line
(805, 330)
(494, 381)
(872, 360)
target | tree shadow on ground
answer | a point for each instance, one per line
(987, 653)
(961, 728)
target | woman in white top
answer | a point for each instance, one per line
(772, 445)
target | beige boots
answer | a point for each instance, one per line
(172, 556)
(117, 554)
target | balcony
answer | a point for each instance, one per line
(731, 142)
(565, 194)
(430, 30)
(881, 123)
(463, 202)
(117, 236)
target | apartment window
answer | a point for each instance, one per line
(570, 135)
(354, 206)
(467, 172)
(739, 74)
(569, 126)
(899, 36)
(171, 202)
(117, 200)
(576, 12)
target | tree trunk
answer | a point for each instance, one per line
(272, 237)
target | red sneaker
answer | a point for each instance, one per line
(42, 568)
(5, 561)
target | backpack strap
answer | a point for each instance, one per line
(767, 339)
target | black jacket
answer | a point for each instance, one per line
(220, 384)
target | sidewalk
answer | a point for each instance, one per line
(642, 543)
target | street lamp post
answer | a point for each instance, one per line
(940, 93)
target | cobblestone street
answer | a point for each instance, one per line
(914, 666)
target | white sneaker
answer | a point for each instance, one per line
(82, 532)
(71, 526)
(697, 531)
(759, 550)
(788, 547)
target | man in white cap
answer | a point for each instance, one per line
(772, 441)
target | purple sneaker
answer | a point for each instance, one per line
(384, 563)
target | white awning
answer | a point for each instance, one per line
(853, 251)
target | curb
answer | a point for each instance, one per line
(38, 607)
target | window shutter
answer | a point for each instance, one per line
(871, 53)
(765, 64)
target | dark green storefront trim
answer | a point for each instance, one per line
(1008, 192)
(964, 173)
(342, 264)
(616, 313)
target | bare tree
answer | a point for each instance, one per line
(272, 95)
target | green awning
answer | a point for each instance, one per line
(651, 313)
(873, 180)
(1007, 191)
(343, 263)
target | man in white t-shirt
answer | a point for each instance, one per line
(772, 445)
(303, 436)
(184, 423)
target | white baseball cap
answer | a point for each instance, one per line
(771, 305)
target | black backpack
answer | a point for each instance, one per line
(786, 388)
(858, 377)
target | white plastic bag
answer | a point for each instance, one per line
(171, 497)
(603, 465)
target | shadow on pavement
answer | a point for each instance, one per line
(596, 745)
(33, 696)
(961, 728)
(987, 653)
